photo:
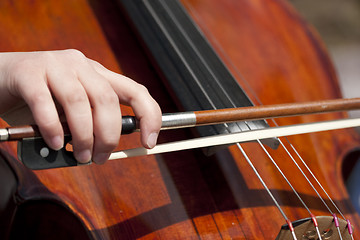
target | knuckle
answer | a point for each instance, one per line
(76, 57)
(68, 55)
(96, 64)
(140, 93)
(75, 96)
(107, 98)
(38, 98)
(46, 57)
(142, 89)
(74, 53)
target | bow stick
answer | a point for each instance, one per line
(209, 117)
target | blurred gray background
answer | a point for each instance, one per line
(338, 22)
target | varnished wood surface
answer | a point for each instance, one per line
(187, 195)
(275, 111)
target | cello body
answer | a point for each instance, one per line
(275, 57)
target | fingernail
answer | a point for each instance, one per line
(57, 142)
(101, 158)
(151, 141)
(83, 156)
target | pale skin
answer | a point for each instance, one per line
(88, 94)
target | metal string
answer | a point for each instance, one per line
(209, 99)
(290, 155)
(240, 148)
(259, 101)
(213, 105)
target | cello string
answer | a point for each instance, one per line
(318, 182)
(205, 65)
(289, 154)
(283, 175)
(261, 180)
(243, 152)
(185, 35)
(259, 101)
(220, 86)
(204, 92)
(234, 105)
(226, 96)
(296, 193)
(315, 178)
(274, 121)
(312, 186)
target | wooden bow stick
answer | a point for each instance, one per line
(209, 117)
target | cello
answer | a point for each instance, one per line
(274, 57)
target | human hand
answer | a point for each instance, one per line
(35, 84)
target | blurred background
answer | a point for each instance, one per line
(338, 23)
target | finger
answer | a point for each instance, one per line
(36, 94)
(137, 96)
(147, 111)
(106, 114)
(73, 98)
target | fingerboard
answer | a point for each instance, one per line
(192, 69)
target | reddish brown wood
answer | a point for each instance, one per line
(274, 111)
(184, 195)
